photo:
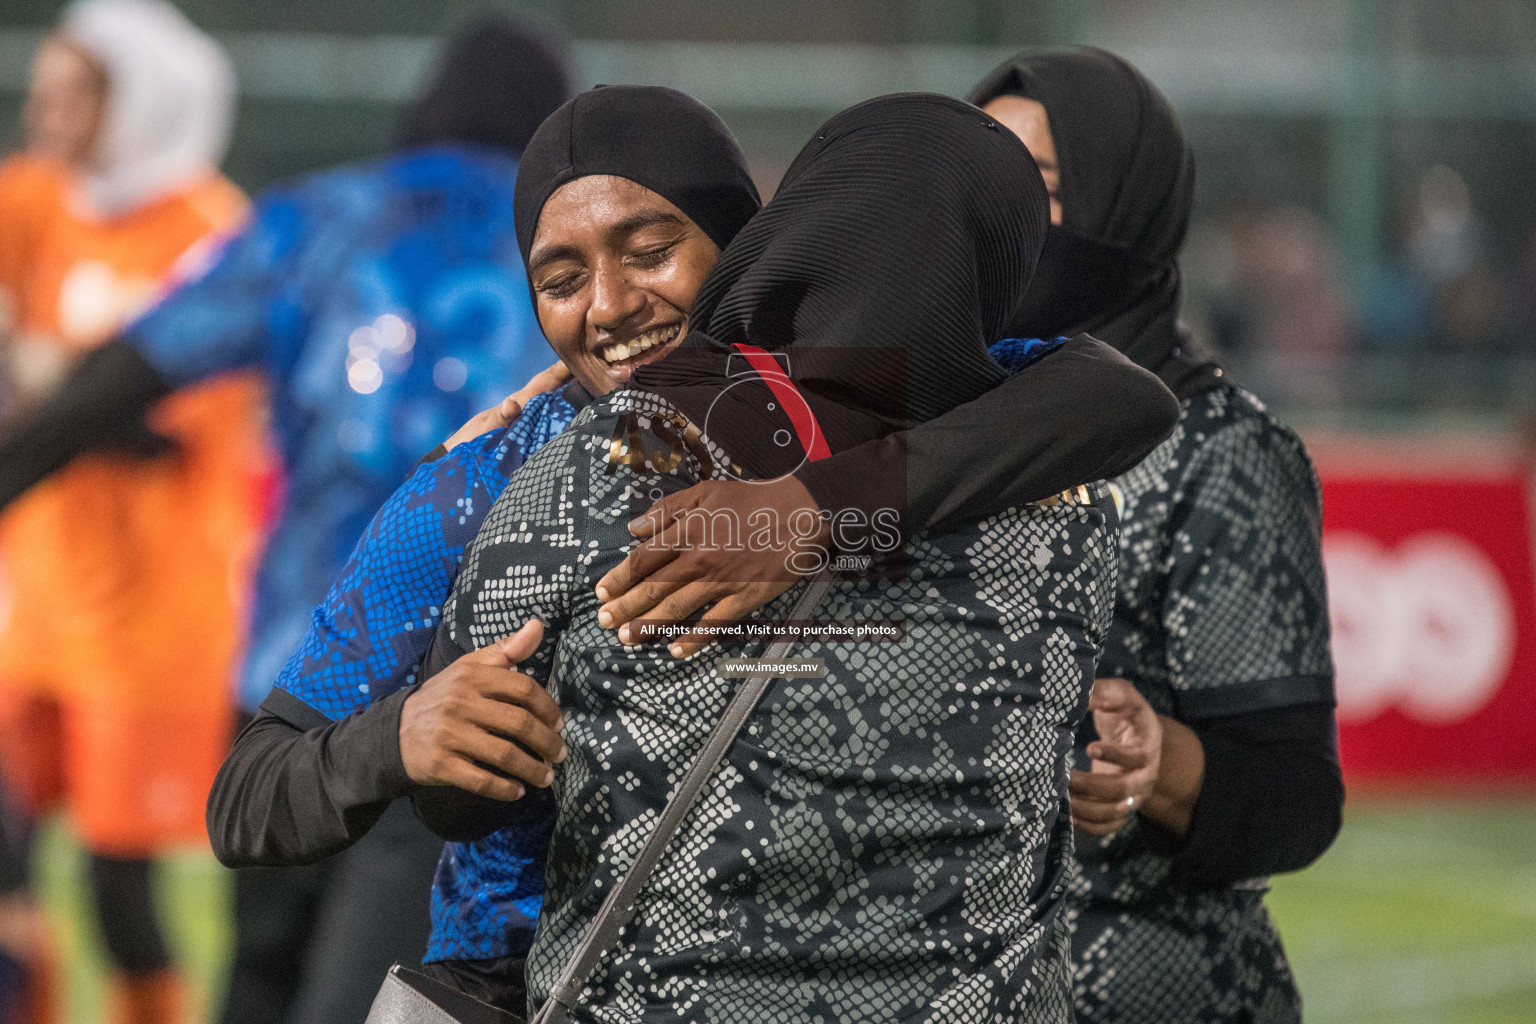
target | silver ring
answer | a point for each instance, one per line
(1130, 801)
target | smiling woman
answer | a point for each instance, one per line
(622, 209)
(614, 270)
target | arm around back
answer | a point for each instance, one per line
(1083, 413)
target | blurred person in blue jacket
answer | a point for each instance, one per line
(386, 303)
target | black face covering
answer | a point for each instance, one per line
(1127, 188)
(892, 255)
(498, 79)
(660, 138)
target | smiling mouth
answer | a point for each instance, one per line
(625, 355)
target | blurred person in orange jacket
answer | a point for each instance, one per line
(124, 576)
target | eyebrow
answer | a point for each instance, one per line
(644, 219)
(634, 222)
(552, 254)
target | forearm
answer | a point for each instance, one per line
(1270, 800)
(104, 398)
(288, 796)
(1081, 414)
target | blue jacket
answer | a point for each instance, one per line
(386, 303)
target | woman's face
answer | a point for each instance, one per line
(615, 268)
(1028, 120)
(65, 99)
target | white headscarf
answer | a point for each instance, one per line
(170, 101)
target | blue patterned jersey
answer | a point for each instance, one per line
(386, 303)
(369, 635)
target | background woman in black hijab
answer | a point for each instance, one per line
(1221, 622)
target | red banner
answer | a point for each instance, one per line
(1432, 592)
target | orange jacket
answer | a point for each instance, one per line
(126, 579)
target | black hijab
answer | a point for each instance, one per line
(660, 138)
(892, 255)
(497, 80)
(1127, 188)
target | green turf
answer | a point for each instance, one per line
(1422, 913)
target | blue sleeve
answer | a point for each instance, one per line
(237, 311)
(368, 637)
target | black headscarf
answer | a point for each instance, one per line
(497, 80)
(893, 253)
(660, 138)
(1127, 188)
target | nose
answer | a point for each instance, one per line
(614, 298)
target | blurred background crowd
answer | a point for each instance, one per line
(1362, 163)
(1363, 256)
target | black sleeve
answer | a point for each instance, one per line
(99, 407)
(1272, 800)
(458, 815)
(298, 788)
(1082, 413)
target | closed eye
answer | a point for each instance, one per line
(561, 285)
(655, 257)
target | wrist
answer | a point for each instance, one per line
(1180, 776)
(365, 747)
(408, 740)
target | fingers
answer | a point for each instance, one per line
(1100, 802)
(1101, 787)
(1096, 826)
(506, 412)
(677, 606)
(510, 409)
(1094, 813)
(519, 647)
(1131, 758)
(484, 422)
(469, 776)
(510, 650)
(508, 758)
(634, 602)
(448, 735)
(515, 690)
(639, 564)
(697, 639)
(1114, 695)
(660, 515)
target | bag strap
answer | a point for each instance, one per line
(604, 928)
